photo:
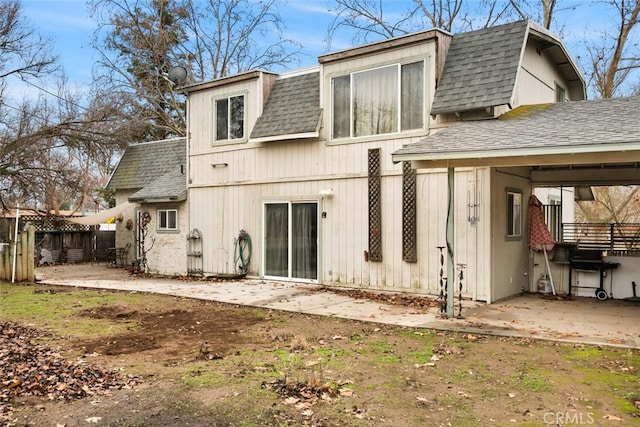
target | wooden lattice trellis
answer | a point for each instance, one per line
(53, 223)
(409, 209)
(375, 206)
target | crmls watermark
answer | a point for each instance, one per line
(568, 418)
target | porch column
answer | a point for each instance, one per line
(451, 271)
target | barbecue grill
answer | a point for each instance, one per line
(591, 261)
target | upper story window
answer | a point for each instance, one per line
(229, 116)
(379, 101)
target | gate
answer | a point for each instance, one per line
(17, 257)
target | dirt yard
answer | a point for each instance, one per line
(131, 359)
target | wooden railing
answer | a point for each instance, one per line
(617, 239)
(553, 218)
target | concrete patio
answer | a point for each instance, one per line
(580, 320)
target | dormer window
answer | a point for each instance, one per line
(378, 101)
(229, 118)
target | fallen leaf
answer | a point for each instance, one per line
(93, 420)
(612, 418)
(345, 392)
(302, 405)
(291, 400)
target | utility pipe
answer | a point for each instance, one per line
(15, 245)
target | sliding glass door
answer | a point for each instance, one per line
(291, 240)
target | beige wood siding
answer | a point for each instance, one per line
(201, 112)
(537, 78)
(228, 197)
(510, 263)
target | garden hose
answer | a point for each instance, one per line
(242, 253)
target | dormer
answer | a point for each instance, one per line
(493, 70)
(381, 90)
(226, 109)
(293, 109)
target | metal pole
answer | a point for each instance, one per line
(450, 236)
(15, 245)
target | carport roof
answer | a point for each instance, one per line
(589, 132)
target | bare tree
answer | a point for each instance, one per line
(441, 14)
(140, 40)
(366, 20)
(232, 36)
(23, 53)
(53, 155)
(54, 152)
(544, 12)
(613, 61)
(612, 58)
(137, 41)
(370, 20)
(619, 204)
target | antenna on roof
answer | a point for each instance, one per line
(177, 75)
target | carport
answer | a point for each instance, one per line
(577, 144)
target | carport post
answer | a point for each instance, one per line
(451, 278)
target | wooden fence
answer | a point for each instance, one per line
(22, 267)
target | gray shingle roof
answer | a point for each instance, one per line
(156, 165)
(563, 127)
(480, 69)
(293, 107)
(171, 186)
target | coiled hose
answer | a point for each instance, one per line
(242, 253)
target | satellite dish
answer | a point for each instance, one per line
(177, 75)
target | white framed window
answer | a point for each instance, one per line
(378, 101)
(514, 214)
(229, 116)
(167, 220)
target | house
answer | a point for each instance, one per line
(151, 191)
(324, 167)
